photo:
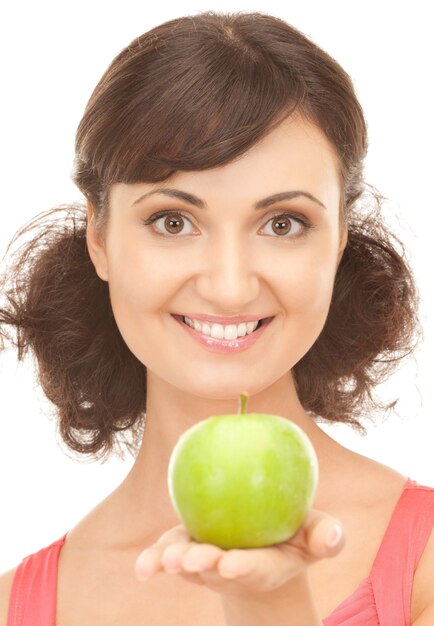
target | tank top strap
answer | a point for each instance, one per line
(401, 548)
(32, 600)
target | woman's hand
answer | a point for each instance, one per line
(246, 570)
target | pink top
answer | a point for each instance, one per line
(381, 599)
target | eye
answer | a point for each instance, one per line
(173, 222)
(281, 224)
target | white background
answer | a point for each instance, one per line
(52, 55)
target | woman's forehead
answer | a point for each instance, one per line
(294, 155)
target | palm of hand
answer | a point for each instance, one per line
(240, 571)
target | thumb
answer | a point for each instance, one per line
(321, 536)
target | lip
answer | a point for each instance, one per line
(225, 345)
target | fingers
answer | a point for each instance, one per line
(262, 569)
(176, 552)
(196, 558)
(321, 536)
(267, 568)
(255, 569)
(149, 561)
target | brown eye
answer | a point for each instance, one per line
(282, 225)
(287, 226)
(173, 224)
(168, 223)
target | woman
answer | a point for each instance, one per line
(221, 158)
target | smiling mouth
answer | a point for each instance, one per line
(262, 322)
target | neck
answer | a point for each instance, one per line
(141, 503)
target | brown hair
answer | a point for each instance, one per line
(193, 93)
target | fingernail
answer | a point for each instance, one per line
(334, 536)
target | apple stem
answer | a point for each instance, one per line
(243, 402)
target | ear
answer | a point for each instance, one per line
(342, 245)
(96, 249)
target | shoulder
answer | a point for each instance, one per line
(423, 582)
(6, 580)
(372, 484)
(381, 490)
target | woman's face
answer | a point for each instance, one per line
(227, 259)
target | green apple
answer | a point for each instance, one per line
(243, 480)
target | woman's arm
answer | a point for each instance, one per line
(291, 604)
(6, 580)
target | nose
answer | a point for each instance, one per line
(229, 278)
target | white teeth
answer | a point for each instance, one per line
(218, 331)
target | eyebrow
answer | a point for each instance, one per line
(261, 204)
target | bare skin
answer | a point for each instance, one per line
(96, 578)
(93, 557)
(227, 260)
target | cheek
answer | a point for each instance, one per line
(307, 298)
(136, 292)
(318, 292)
(139, 276)
(308, 284)
(142, 283)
